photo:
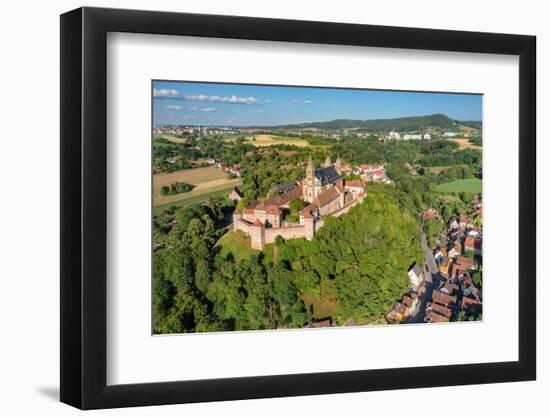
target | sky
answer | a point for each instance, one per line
(217, 104)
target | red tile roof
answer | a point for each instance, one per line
(408, 301)
(439, 309)
(434, 317)
(326, 197)
(354, 183)
(470, 304)
(442, 298)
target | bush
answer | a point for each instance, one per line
(176, 188)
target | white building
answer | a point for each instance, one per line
(450, 134)
(415, 275)
(427, 136)
(394, 135)
(410, 136)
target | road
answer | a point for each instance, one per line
(427, 287)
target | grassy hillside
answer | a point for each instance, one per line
(472, 185)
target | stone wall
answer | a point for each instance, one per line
(346, 208)
(242, 225)
(292, 232)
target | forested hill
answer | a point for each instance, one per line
(399, 124)
(354, 268)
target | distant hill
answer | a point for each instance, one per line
(380, 125)
(476, 124)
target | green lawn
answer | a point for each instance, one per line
(237, 243)
(189, 199)
(471, 185)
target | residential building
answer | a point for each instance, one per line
(235, 195)
(416, 275)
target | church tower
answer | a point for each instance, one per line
(309, 181)
(327, 161)
(338, 165)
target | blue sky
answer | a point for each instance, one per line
(189, 103)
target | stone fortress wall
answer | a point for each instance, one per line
(261, 235)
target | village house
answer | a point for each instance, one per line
(470, 304)
(456, 249)
(235, 195)
(373, 173)
(439, 253)
(440, 309)
(411, 301)
(236, 170)
(449, 288)
(416, 275)
(443, 298)
(444, 266)
(398, 313)
(434, 317)
(472, 244)
(474, 232)
(460, 265)
(453, 223)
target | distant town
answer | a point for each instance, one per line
(317, 224)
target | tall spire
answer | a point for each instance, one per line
(310, 171)
(327, 161)
(338, 165)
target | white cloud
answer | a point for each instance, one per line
(308, 101)
(170, 93)
(267, 101)
(172, 107)
(165, 93)
(206, 109)
(227, 99)
(296, 101)
(258, 111)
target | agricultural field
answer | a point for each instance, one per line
(471, 185)
(174, 138)
(464, 143)
(208, 182)
(268, 140)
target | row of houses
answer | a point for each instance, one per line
(372, 173)
(234, 169)
(408, 136)
(409, 303)
(456, 291)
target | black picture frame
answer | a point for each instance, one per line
(84, 207)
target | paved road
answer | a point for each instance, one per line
(427, 287)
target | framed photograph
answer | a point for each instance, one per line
(258, 208)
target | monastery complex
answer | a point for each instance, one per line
(325, 192)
